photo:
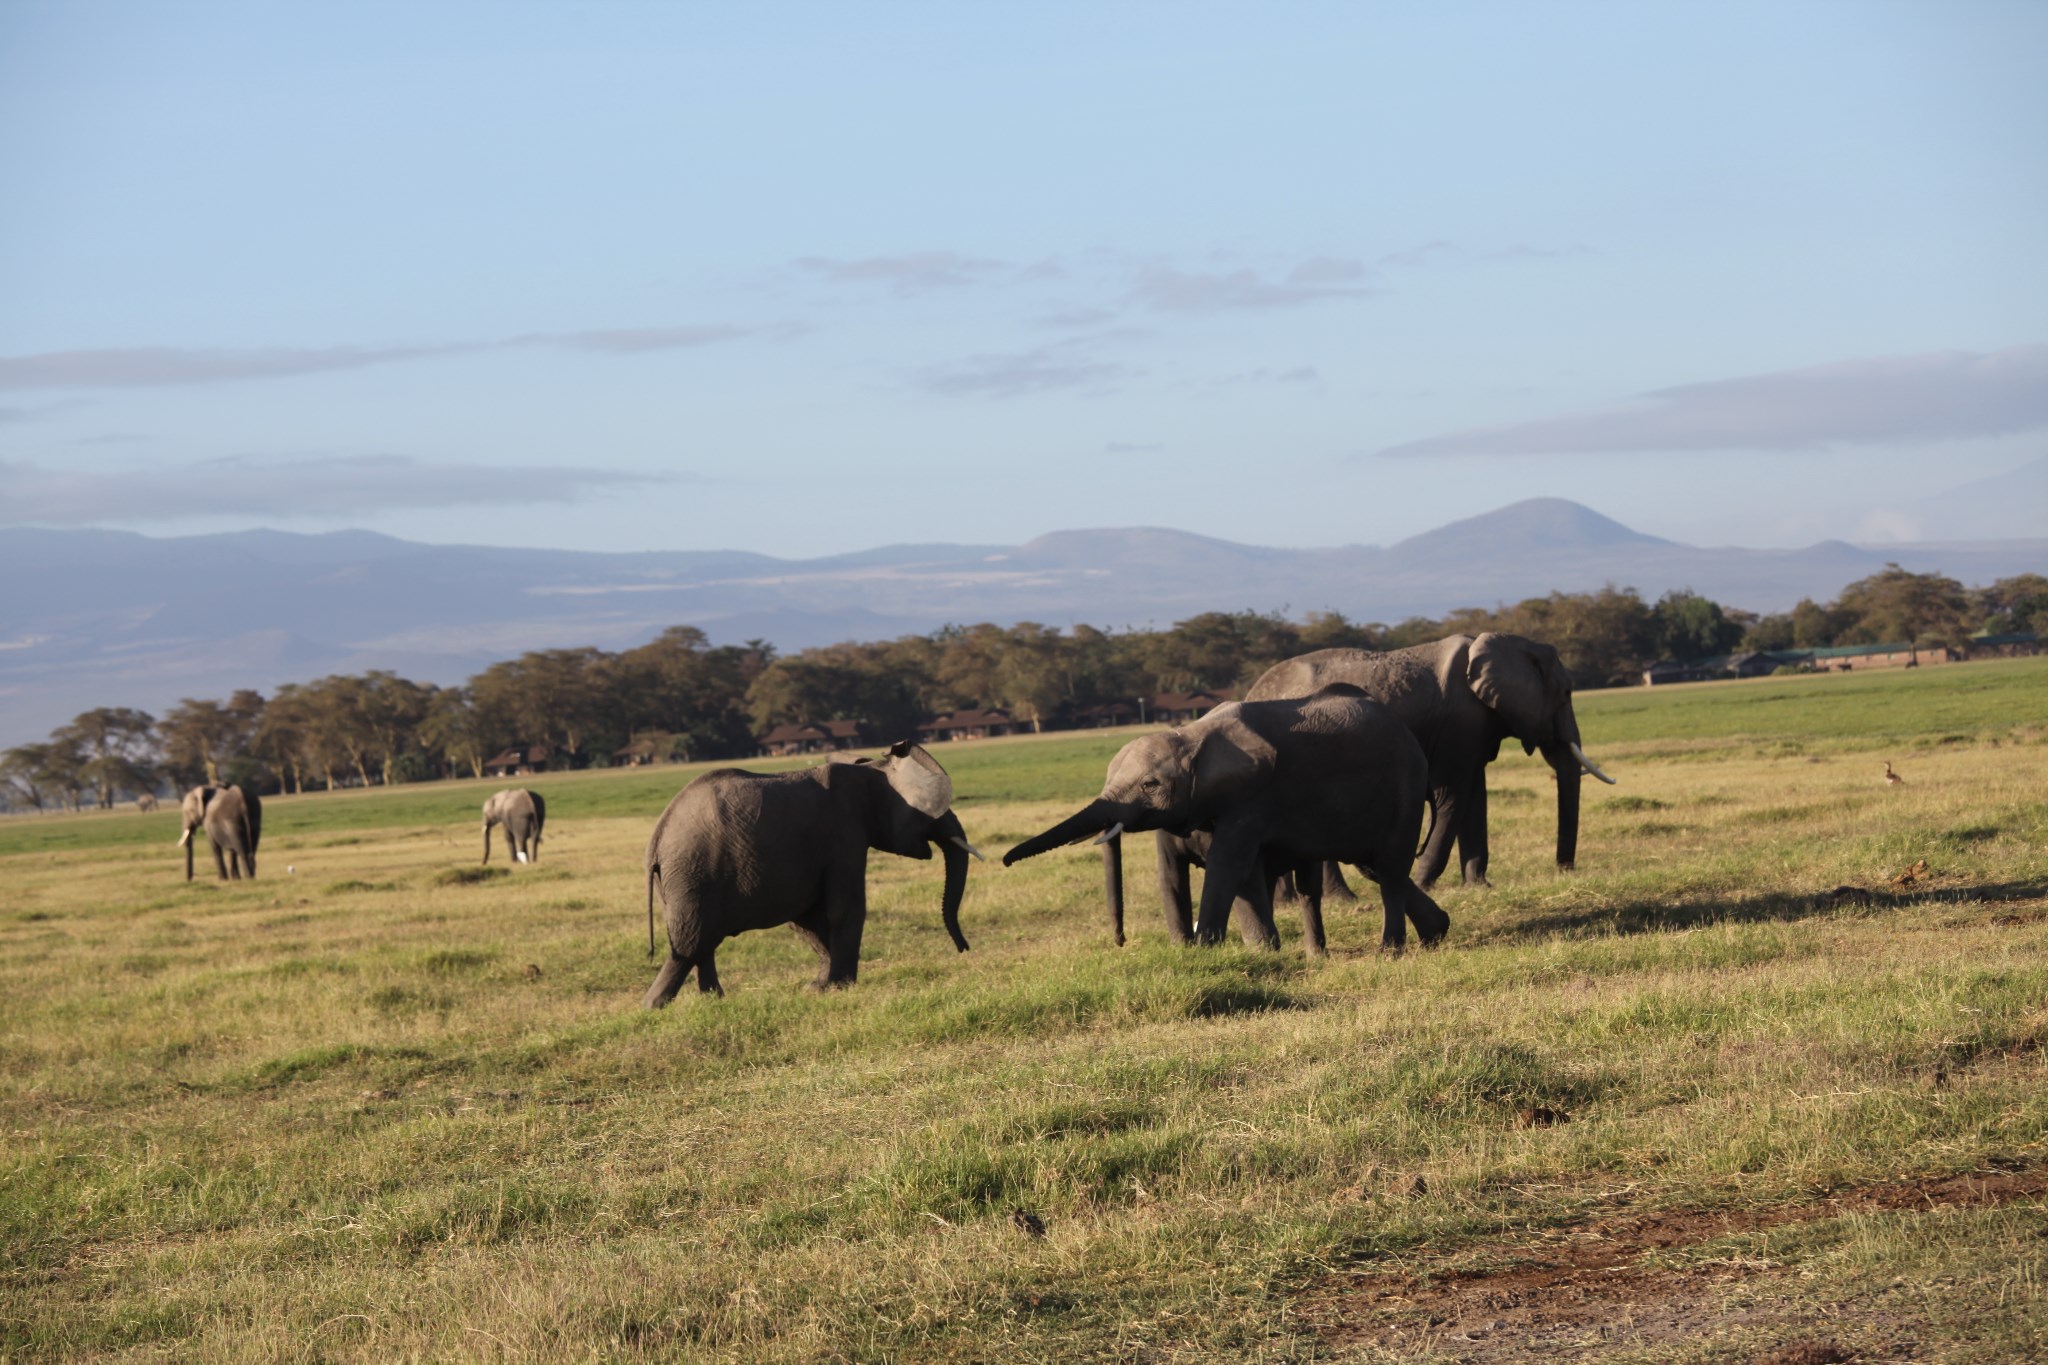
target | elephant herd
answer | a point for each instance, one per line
(1333, 757)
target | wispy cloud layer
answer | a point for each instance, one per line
(916, 272)
(1188, 291)
(156, 366)
(325, 488)
(1042, 369)
(1891, 400)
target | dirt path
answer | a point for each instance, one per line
(1570, 1292)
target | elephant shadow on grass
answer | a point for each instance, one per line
(1648, 916)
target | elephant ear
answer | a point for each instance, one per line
(918, 779)
(1230, 757)
(1524, 682)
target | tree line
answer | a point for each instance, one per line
(679, 696)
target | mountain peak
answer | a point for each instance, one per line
(1532, 524)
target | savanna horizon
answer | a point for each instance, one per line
(333, 1114)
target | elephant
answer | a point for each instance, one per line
(233, 817)
(737, 850)
(522, 813)
(1460, 697)
(146, 802)
(1276, 785)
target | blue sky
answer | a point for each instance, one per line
(806, 278)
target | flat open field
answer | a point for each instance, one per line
(1682, 1105)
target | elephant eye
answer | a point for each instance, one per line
(1149, 783)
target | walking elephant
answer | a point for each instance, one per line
(522, 813)
(737, 850)
(1276, 785)
(233, 820)
(1460, 697)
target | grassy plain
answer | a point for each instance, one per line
(1682, 1105)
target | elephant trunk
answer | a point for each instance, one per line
(952, 842)
(1092, 818)
(487, 841)
(187, 842)
(1113, 883)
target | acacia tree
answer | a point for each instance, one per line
(29, 773)
(454, 729)
(1917, 608)
(201, 738)
(116, 745)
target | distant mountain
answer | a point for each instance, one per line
(112, 618)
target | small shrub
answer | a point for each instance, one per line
(468, 876)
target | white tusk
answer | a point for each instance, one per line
(1110, 833)
(1590, 767)
(971, 849)
(185, 838)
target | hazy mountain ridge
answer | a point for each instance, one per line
(115, 618)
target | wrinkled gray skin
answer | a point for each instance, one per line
(737, 850)
(522, 813)
(1460, 697)
(233, 819)
(1277, 785)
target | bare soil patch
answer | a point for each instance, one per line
(1569, 1292)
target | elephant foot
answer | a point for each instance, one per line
(821, 985)
(1392, 949)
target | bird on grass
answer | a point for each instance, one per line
(1892, 779)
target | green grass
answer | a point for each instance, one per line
(381, 1109)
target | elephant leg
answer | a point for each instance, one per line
(1233, 861)
(667, 982)
(1436, 853)
(1429, 919)
(707, 973)
(813, 930)
(846, 916)
(1309, 877)
(220, 863)
(1472, 834)
(1335, 888)
(1284, 892)
(1252, 912)
(1175, 896)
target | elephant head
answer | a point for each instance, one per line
(1529, 691)
(1173, 781)
(193, 811)
(911, 811)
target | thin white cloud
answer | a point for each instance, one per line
(1042, 369)
(1946, 395)
(1319, 280)
(916, 272)
(157, 366)
(300, 488)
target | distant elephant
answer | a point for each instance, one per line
(233, 817)
(737, 850)
(146, 802)
(1461, 696)
(522, 813)
(1277, 784)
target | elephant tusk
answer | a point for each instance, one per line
(1110, 833)
(1591, 767)
(970, 848)
(185, 838)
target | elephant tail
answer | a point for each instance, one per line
(653, 871)
(1429, 801)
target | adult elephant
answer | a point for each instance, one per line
(1276, 785)
(233, 820)
(1460, 697)
(522, 813)
(737, 850)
